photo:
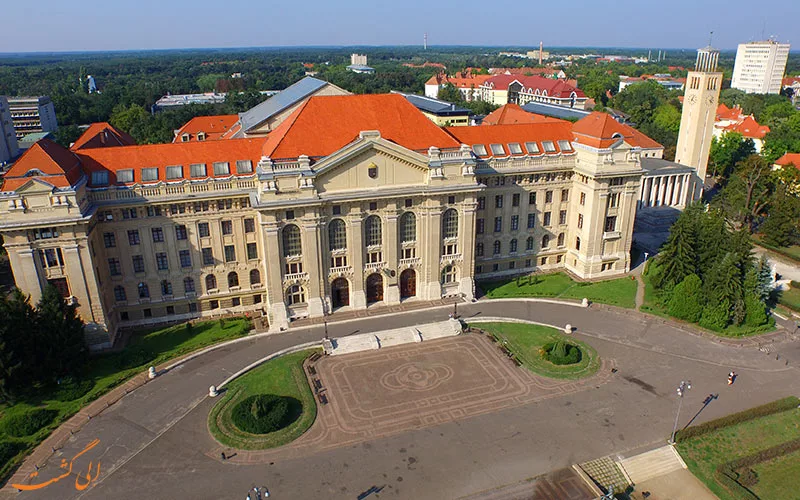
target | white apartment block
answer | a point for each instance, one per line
(759, 67)
(8, 140)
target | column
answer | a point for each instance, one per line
(466, 245)
(355, 245)
(26, 273)
(392, 289)
(273, 282)
(429, 276)
(313, 265)
(653, 190)
(662, 184)
(83, 282)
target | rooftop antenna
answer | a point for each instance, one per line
(710, 37)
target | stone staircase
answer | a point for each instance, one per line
(652, 464)
(389, 338)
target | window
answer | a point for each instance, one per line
(249, 226)
(564, 195)
(529, 244)
(211, 282)
(154, 211)
(213, 304)
(295, 295)
(495, 267)
(294, 267)
(448, 275)
(513, 246)
(208, 256)
(497, 149)
(515, 148)
(221, 168)
(548, 146)
(479, 249)
(373, 205)
(291, 241)
(202, 229)
(161, 261)
(197, 170)
(451, 200)
(129, 213)
(158, 234)
(100, 178)
(337, 235)
(479, 149)
(514, 222)
(613, 200)
(233, 279)
(564, 146)
(577, 243)
(545, 241)
(532, 148)
(202, 206)
(180, 232)
(166, 287)
(188, 285)
(144, 291)
(531, 198)
(498, 201)
(409, 253)
(255, 277)
(548, 197)
(244, 166)
(408, 227)
(150, 174)
(109, 240)
(616, 181)
(527, 262)
(580, 221)
(562, 217)
(479, 226)
(496, 246)
(498, 224)
(515, 200)
(611, 223)
(543, 261)
(531, 221)
(478, 269)
(256, 299)
(372, 228)
(227, 227)
(560, 240)
(583, 199)
(252, 251)
(559, 258)
(236, 301)
(450, 224)
(138, 264)
(185, 257)
(171, 309)
(230, 253)
(148, 313)
(124, 176)
(481, 202)
(119, 294)
(114, 269)
(512, 265)
(192, 307)
(546, 219)
(45, 233)
(174, 172)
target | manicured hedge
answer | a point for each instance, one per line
(27, 422)
(737, 482)
(265, 413)
(561, 353)
(790, 403)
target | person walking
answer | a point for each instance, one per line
(731, 377)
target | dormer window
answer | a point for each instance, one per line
(515, 148)
(150, 174)
(197, 170)
(33, 172)
(564, 146)
(222, 168)
(244, 166)
(532, 147)
(549, 147)
(185, 138)
(497, 150)
(100, 178)
(174, 172)
(124, 176)
(201, 136)
(479, 149)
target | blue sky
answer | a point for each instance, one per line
(62, 25)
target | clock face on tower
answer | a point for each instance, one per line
(711, 100)
(692, 99)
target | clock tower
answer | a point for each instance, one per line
(701, 96)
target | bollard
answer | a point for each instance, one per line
(585, 302)
(212, 391)
(151, 373)
(568, 329)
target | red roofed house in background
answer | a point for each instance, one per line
(509, 114)
(792, 159)
(734, 120)
(205, 128)
(518, 89)
(467, 83)
(352, 200)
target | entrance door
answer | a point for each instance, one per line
(374, 288)
(340, 292)
(408, 283)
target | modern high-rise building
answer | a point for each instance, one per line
(32, 114)
(701, 95)
(759, 67)
(8, 140)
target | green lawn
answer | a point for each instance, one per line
(525, 340)
(704, 453)
(791, 298)
(777, 478)
(791, 253)
(283, 377)
(618, 292)
(106, 371)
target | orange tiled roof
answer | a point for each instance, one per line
(102, 135)
(325, 124)
(726, 113)
(554, 88)
(749, 127)
(601, 130)
(789, 159)
(524, 71)
(214, 127)
(521, 133)
(512, 113)
(462, 82)
(790, 81)
(45, 161)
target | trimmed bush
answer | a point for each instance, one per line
(738, 477)
(716, 316)
(687, 299)
(27, 422)
(755, 311)
(561, 353)
(265, 413)
(70, 389)
(778, 406)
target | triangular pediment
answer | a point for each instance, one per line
(36, 185)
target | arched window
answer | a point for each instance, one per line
(144, 290)
(188, 285)
(577, 243)
(529, 243)
(450, 223)
(255, 277)
(166, 287)
(513, 246)
(295, 295)
(233, 279)
(119, 294)
(448, 275)
(372, 228)
(560, 240)
(545, 241)
(211, 282)
(291, 241)
(337, 235)
(408, 227)
(479, 249)
(496, 247)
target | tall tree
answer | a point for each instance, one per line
(450, 93)
(17, 355)
(727, 151)
(747, 194)
(61, 330)
(677, 258)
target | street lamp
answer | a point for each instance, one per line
(682, 388)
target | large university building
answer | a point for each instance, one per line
(350, 201)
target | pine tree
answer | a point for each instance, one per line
(687, 299)
(677, 258)
(716, 316)
(780, 228)
(17, 357)
(756, 311)
(712, 241)
(764, 287)
(59, 326)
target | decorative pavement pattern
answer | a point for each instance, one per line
(605, 472)
(374, 394)
(561, 484)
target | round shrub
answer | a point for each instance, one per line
(265, 413)
(561, 353)
(70, 389)
(27, 422)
